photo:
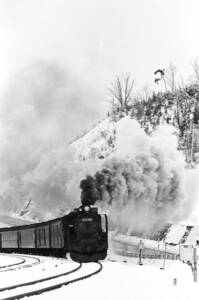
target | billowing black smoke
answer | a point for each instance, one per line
(90, 193)
(141, 193)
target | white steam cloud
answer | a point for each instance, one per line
(42, 108)
(141, 185)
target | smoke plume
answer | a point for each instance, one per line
(141, 185)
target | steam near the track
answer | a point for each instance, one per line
(142, 183)
(42, 108)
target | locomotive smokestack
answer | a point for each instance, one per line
(89, 194)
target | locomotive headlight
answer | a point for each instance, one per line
(86, 208)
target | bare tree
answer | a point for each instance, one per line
(195, 66)
(121, 91)
(145, 93)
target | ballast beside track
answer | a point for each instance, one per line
(51, 286)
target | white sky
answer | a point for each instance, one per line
(99, 39)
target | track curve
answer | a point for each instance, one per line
(52, 286)
(22, 260)
(39, 280)
(22, 264)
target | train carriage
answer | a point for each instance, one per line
(42, 238)
(9, 239)
(27, 238)
(57, 234)
(83, 233)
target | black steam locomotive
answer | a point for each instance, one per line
(83, 233)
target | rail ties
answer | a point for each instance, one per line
(52, 286)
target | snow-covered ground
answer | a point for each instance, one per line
(175, 234)
(118, 280)
(193, 235)
(5, 260)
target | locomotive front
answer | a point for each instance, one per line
(89, 236)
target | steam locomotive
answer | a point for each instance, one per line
(83, 233)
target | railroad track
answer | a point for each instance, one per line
(51, 283)
(22, 264)
(21, 261)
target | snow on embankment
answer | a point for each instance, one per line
(193, 236)
(4, 225)
(98, 143)
(8, 221)
(175, 234)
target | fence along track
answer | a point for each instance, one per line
(53, 286)
(128, 250)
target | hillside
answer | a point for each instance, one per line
(98, 143)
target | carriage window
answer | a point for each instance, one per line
(39, 237)
(44, 235)
(57, 231)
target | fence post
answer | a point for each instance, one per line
(195, 265)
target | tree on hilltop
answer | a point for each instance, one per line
(121, 92)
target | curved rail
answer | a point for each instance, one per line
(14, 264)
(39, 280)
(22, 264)
(53, 286)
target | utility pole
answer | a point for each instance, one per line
(164, 261)
(195, 273)
(141, 247)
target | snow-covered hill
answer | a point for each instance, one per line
(98, 143)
